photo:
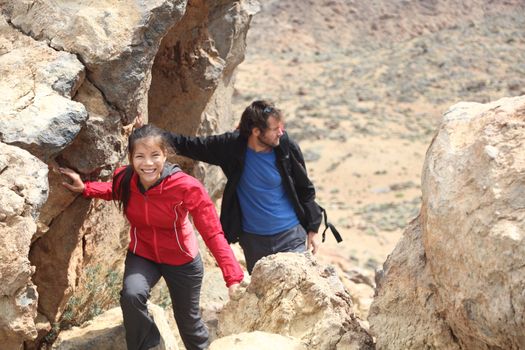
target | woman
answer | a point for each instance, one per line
(156, 198)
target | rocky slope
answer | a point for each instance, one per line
(292, 302)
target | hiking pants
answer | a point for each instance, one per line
(184, 284)
(256, 247)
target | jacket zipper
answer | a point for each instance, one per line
(146, 212)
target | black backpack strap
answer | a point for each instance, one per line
(331, 227)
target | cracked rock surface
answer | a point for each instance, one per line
(36, 86)
(292, 295)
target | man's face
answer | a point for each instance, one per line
(270, 137)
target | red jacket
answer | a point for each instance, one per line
(160, 228)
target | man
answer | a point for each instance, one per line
(268, 203)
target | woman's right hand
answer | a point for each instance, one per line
(76, 185)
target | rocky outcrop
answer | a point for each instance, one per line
(405, 313)
(290, 294)
(36, 86)
(74, 75)
(106, 332)
(455, 281)
(24, 189)
(116, 41)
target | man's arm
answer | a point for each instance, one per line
(306, 193)
(210, 149)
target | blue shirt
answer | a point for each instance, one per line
(265, 206)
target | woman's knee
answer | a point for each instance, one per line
(133, 296)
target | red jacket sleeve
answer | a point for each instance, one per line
(98, 189)
(206, 220)
(95, 189)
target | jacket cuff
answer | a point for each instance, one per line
(87, 189)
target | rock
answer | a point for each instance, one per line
(481, 232)
(36, 86)
(85, 259)
(97, 150)
(455, 279)
(257, 340)
(24, 188)
(405, 313)
(360, 285)
(101, 138)
(116, 41)
(106, 332)
(290, 294)
(43, 328)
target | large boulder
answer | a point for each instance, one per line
(24, 189)
(36, 86)
(290, 294)
(405, 313)
(117, 41)
(456, 279)
(193, 75)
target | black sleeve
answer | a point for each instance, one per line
(305, 189)
(210, 149)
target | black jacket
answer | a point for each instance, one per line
(228, 151)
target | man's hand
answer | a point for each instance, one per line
(312, 242)
(138, 122)
(76, 185)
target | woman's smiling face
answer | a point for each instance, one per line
(148, 160)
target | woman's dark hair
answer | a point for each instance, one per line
(256, 116)
(122, 181)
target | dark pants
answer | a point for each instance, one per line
(256, 247)
(184, 284)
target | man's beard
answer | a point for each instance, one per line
(264, 142)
